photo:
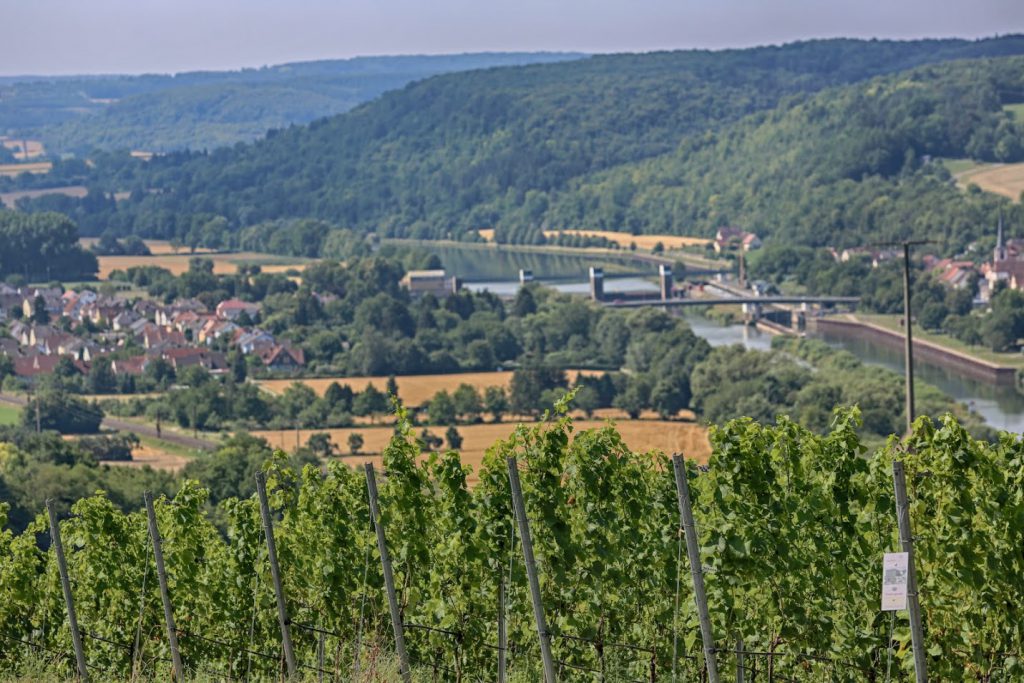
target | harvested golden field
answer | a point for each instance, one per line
(1003, 179)
(223, 264)
(414, 390)
(640, 435)
(645, 242)
(153, 456)
(13, 170)
(23, 149)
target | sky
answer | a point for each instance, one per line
(48, 37)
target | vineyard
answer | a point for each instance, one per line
(791, 525)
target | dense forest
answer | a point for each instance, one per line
(525, 147)
(203, 110)
(843, 168)
(42, 246)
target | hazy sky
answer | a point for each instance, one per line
(132, 36)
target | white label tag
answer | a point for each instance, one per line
(894, 581)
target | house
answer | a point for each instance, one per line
(134, 366)
(232, 309)
(876, 256)
(164, 315)
(252, 340)
(213, 361)
(213, 329)
(436, 282)
(952, 273)
(284, 358)
(52, 298)
(37, 364)
(729, 237)
(155, 337)
(124, 320)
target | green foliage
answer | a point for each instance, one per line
(54, 408)
(42, 246)
(521, 148)
(203, 110)
(806, 380)
(792, 527)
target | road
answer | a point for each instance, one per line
(146, 430)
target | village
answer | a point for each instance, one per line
(48, 326)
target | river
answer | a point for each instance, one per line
(1001, 407)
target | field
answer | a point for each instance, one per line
(414, 390)
(640, 435)
(645, 242)
(8, 198)
(1016, 109)
(13, 170)
(223, 264)
(1003, 179)
(8, 414)
(23, 149)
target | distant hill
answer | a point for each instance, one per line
(671, 141)
(849, 165)
(207, 109)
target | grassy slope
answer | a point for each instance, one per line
(892, 322)
(8, 415)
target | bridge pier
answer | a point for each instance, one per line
(665, 279)
(596, 283)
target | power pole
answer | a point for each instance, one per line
(275, 575)
(389, 576)
(65, 582)
(909, 348)
(165, 597)
(696, 569)
(908, 353)
(531, 570)
(907, 542)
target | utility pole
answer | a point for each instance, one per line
(696, 569)
(908, 353)
(909, 349)
(275, 575)
(907, 542)
(531, 570)
(389, 576)
(165, 597)
(65, 582)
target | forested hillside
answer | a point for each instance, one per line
(511, 148)
(203, 110)
(847, 166)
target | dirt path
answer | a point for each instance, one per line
(121, 425)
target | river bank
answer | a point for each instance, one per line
(924, 350)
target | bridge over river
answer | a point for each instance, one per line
(734, 300)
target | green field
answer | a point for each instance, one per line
(8, 414)
(958, 166)
(1016, 109)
